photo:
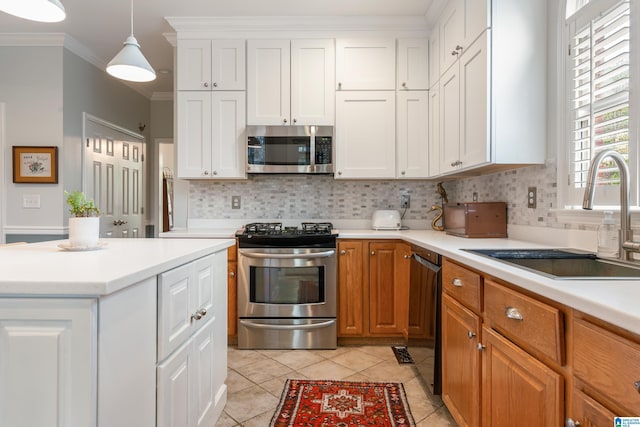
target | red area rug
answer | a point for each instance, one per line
(308, 403)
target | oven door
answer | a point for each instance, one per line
(286, 283)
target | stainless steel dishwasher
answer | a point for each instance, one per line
(424, 331)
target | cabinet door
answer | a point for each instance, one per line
(48, 362)
(366, 64)
(389, 266)
(365, 134)
(586, 412)
(460, 362)
(312, 82)
(412, 129)
(434, 131)
(201, 276)
(228, 70)
(518, 389)
(477, 19)
(350, 288)
(202, 383)
(232, 292)
(175, 308)
(451, 28)
(174, 389)
(449, 120)
(474, 98)
(434, 58)
(268, 82)
(228, 141)
(194, 65)
(413, 64)
(194, 134)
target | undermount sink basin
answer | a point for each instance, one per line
(566, 264)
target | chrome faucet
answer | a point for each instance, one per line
(626, 243)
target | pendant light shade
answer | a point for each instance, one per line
(130, 64)
(35, 10)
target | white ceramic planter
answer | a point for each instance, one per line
(84, 231)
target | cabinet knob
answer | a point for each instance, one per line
(407, 256)
(284, 121)
(513, 313)
(373, 252)
(339, 85)
(339, 173)
(471, 334)
(232, 273)
(206, 84)
(196, 316)
(402, 173)
(481, 347)
(404, 85)
(202, 312)
(205, 173)
(215, 84)
(457, 282)
(295, 120)
(637, 386)
(458, 48)
(343, 252)
(571, 423)
(215, 172)
(454, 52)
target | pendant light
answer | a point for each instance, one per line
(130, 64)
(35, 10)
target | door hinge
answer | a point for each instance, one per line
(142, 210)
(142, 158)
(569, 50)
(87, 142)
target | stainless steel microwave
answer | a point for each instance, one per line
(290, 149)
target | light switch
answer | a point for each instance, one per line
(31, 201)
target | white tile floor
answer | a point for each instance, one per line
(256, 379)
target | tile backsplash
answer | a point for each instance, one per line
(323, 197)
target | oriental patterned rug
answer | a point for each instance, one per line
(309, 403)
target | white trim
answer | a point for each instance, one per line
(36, 229)
(3, 191)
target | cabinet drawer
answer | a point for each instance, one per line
(464, 285)
(609, 363)
(530, 323)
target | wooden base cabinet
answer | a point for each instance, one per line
(373, 288)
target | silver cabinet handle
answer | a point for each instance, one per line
(481, 347)
(571, 423)
(407, 256)
(402, 173)
(404, 85)
(206, 84)
(284, 121)
(343, 252)
(215, 84)
(455, 52)
(205, 173)
(513, 313)
(339, 85)
(196, 316)
(203, 312)
(215, 172)
(471, 334)
(232, 273)
(373, 252)
(295, 121)
(637, 386)
(457, 282)
(459, 48)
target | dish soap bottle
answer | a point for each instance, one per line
(608, 237)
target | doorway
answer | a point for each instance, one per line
(113, 176)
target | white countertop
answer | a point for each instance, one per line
(45, 269)
(615, 301)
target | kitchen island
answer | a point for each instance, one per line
(132, 333)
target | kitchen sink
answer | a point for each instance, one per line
(565, 264)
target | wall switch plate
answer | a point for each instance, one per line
(235, 202)
(532, 197)
(31, 201)
(475, 196)
(405, 201)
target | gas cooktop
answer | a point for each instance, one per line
(274, 234)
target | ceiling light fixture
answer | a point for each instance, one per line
(130, 64)
(35, 10)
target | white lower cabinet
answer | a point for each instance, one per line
(365, 134)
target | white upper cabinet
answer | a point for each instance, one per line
(366, 64)
(412, 130)
(211, 65)
(434, 131)
(290, 82)
(413, 64)
(365, 134)
(434, 58)
(460, 24)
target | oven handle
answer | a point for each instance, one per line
(250, 324)
(325, 254)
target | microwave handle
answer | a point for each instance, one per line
(324, 254)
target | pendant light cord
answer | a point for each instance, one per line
(131, 17)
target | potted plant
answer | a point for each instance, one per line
(84, 223)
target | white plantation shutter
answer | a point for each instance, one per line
(600, 50)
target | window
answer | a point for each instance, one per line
(600, 77)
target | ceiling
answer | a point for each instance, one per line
(102, 26)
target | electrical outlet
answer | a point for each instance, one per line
(475, 196)
(405, 201)
(235, 202)
(532, 197)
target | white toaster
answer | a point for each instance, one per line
(386, 220)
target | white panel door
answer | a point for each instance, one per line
(451, 27)
(434, 131)
(228, 140)
(412, 134)
(434, 58)
(475, 141)
(413, 64)
(365, 134)
(202, 276)
(220, 330)
(174, 389)
(366, 64)
(268, 82)
(113, 177)
(48, 362)
(194, 134)
(228, 69)
(312, 82)
(202, 383)
(194, 65)
(175, 308)
(450, 119)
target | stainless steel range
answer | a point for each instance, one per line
(287, 286)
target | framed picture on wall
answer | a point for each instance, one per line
(38, 165)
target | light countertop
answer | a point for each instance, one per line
(615, 301)
(46, 269)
